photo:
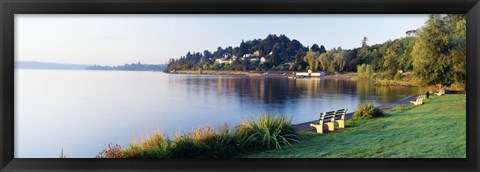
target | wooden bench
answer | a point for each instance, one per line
(419, 100)
(340, 117)
(440, 92)
(326, 119)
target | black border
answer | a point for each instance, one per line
(10, 7)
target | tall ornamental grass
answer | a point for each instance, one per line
(259, 133)
(268, 131)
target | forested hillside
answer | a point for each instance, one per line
(434, 53)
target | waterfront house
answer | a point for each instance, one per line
(310, 73)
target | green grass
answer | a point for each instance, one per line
(436, 129)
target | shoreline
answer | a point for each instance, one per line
(263, 74)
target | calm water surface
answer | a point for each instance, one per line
(81, 111)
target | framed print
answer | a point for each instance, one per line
(240, 86)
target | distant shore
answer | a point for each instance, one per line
(219, 72)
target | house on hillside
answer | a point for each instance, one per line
(263, 60)
(227, 55)
(289, 64)
(220, 60)
(257, 53)
(248, 55)
(254, 59)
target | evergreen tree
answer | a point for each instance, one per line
(364, 41)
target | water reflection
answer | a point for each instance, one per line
(282, 90)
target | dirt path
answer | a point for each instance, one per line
(306, 125)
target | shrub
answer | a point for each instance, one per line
(398, 76)
(206, 143)
(458, 86)
(183, 146)
(156, 146)
(224, 143)
(365, 71)
(112, 151)
(267, 131)
(367, 110)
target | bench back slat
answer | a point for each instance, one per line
(340, 114)
(327, 115)
(333, 115)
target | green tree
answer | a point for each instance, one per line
(390, 63)
(324, 60)
(311, 59)
(364, 41)
(457, 23)
(433, 63)
(406, 60)
(243, 49)
(333, 60)
(340, 60)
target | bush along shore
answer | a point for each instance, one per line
(253, 135)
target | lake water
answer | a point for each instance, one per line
(81, 111)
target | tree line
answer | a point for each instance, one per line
(130, 67)
(435, 54)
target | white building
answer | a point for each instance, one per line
(248, 55)
(220, 60)
(263, 60)
(310, 73)
(289, 64)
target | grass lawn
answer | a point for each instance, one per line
(433, 130)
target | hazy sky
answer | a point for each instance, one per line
(120, 39)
